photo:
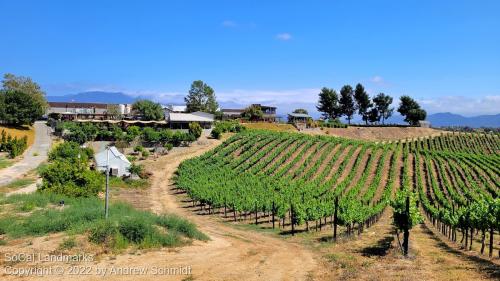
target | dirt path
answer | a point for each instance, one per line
(375, 255)
(231, 253)
(33, 157)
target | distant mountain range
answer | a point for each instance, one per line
(451, 119)
(436, 120)
(97, 97)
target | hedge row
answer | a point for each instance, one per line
(13, 146)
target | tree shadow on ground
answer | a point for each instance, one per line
(380, 249)
(485, 266)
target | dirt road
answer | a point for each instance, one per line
(33, 157)
(231, 254)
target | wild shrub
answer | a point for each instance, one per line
(195, 129)
(13, 146)
(68, 243)
(103, 232)
(134, 230)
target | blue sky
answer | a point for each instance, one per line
(444, 53)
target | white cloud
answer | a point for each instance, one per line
(229, 23)
(284, 36)
(463, 105)
(377, 79)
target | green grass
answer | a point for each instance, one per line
(68, 243)
(4, 162)
(125, 225)
(121, 183)
(19, 183)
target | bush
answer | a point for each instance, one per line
(68, 243)
(136, 169)
(13, 146)
(195, 129)
(138, 148)
(102, 233)
(216, 133)
(226, 126)
(134, 230)
(168, 146)
(70, 151)
(150, 135)
(72, 180)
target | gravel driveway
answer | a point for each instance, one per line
(29, 162)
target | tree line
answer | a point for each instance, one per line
(372, 110)
(201, 97)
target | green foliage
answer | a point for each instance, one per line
(201, 97)
(68, 243)
(85, 215)
(328, 103)
(136, 169)
(346, 102)
(383, 104)
(169, 146)
(71, 151)
(225, 127)
(22, 101)
(134, 230)
(411, 110)
(253, 113)
(102, 232)
(73, 180)
(13, 146)
(83, 132)
(68, 172)
(300, 111)
(335, 123)
(20, 108)
(363, 103)
(195, 129)
(149, 110)
(150, 135)
(216, 133)
(401, 219)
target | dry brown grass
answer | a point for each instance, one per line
(271, 126)
(20, 132)
(376, 133)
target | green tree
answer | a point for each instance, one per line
(253, 113)
(149, 110)
(20, 108)
(300, 111)
(411, 110)
(363, 103)
(328, 103)
(373, 115)
(201, 97)
(383, 103)
(2, 105)
(346, 102)
(12, 82)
